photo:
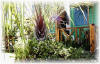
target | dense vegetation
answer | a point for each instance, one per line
(29, 38)
(49, 50)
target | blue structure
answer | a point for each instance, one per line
(79, 19)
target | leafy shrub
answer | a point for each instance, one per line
(77, 53)
(47, 49)
(44, 49)
(19, 49)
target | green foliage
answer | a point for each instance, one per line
(20, 53)
(47, 49)
(77, 53)
(27, 47)
(44, 49)
(80, 53)
(12, 24)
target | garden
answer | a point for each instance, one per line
(41, 31)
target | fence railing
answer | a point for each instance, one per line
(90, 35)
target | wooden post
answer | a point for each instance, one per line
(92, 38)
(56, 31)
(60, 35)
(76, 34)
(79, 33)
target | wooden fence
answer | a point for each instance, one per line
(91, 27)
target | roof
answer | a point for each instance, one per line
(82, 4)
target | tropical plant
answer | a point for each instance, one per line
(40, 27)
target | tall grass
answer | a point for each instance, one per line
(12, 24)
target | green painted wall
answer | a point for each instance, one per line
(93, 15)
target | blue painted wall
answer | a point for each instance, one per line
(79, 18)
